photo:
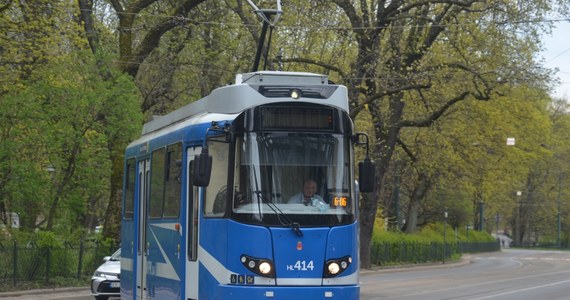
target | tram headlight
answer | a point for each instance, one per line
(295, 94)
(259, 266)
(335, 267)
(265, 268)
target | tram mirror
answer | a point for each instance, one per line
(202, 169)
(366, 175)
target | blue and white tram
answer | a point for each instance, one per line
(206, 210)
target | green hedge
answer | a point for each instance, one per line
(389, 247)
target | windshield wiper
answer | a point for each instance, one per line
(282, 217)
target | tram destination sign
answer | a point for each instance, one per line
(296, 118)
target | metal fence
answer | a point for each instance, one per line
(22, 266)
(530, 244)
(30, 265)
(413, 252)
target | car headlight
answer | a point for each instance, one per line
(104, 274)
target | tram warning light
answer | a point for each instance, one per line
(295, 94)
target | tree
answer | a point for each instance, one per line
(436, 54)
(71, 143)
(33, 33)
(476, 159)
(134, 47)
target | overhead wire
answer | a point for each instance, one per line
(306, 27)
(558, 55)
(336, 28)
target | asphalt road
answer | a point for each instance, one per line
(510, 274)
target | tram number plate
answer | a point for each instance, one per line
(301, 265)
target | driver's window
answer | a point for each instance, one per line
(216, 192)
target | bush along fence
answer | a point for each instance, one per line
(416, 252)
(30, 266)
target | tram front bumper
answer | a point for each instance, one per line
(289, 292)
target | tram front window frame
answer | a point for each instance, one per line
(271, 167)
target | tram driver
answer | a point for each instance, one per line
(309, 196)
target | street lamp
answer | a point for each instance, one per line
(497, 220)
(512, 142)
(51, 170)
(559, 225)
(481, 215)
(518, 237)
(444, 235)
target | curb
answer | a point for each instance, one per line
(42, 291)
(465, 260)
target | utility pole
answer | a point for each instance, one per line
(518, 221)
(444, 235)
(481, 215)
(558, 216)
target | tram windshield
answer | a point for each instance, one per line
(297, 177)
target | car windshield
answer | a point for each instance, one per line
(116, 256)
(301, 175)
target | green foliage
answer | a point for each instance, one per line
(432, 233)
(66, 108)
(46, 239)
(427, 245)
(68, 116)
(32, 33)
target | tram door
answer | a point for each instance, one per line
(193, 200)
(142, 253)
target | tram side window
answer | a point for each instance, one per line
(173, 181)
(157, 183)
(216, 193)
(130, 189)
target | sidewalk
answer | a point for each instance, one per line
(464, 260)
(42, 291)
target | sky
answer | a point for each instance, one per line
(557, 55)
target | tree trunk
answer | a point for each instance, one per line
(111, 225)
(415, 202)
(86, 12)
(65, 181)
(368, 204)
(90, 219)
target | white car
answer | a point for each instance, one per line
(105, 282)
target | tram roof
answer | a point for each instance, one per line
(245, 93)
